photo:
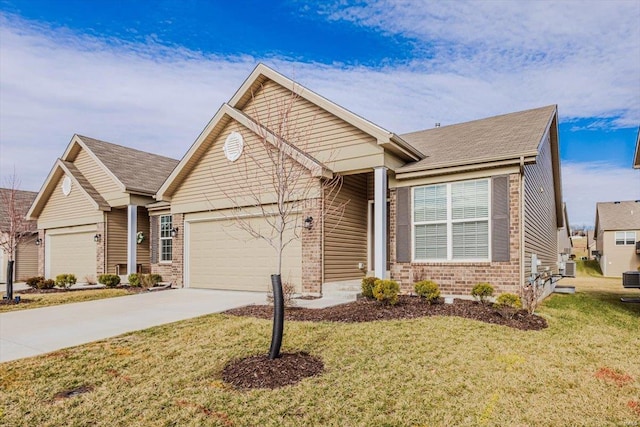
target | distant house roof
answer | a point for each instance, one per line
(22, 201)
(617, 216)
(137, 170)
(508, 136)
(636, 158)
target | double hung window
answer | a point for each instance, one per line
(166, 241)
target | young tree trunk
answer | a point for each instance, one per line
(278, 316)
(10, 280)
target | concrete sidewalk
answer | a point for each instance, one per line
(37, 331)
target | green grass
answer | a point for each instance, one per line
(588, 268)
(439, 371)
(44, 300)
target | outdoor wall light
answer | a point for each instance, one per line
(38, 241)
(97, 238)
(174, 231)
(308, 223)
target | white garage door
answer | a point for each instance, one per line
(222, 256)
(71, 253)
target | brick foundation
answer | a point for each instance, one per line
(458, 278)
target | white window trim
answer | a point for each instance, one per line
(449, 221)
(625, 233)
(160, 239)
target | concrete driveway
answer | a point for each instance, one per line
(37, 331)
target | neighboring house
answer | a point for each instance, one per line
(26, 253)
(91, 213)
(617, 235)
(459, 204)
(565, 243)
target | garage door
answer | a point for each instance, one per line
(71, 253)
(222, 256)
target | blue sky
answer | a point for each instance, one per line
(150, 74)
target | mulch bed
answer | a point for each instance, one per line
(261, 372)
(408, 307)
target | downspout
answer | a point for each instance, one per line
(522, 228)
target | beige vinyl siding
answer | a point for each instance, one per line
(117, 239)
(345, 241)
(338, 144)
(59, 207)
(540, 212)
(71, 252)
(222, 256)
(214, 180)
(26, 259)
(616, 259)
(95, 174)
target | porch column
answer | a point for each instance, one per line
(380, 222)
(132, 230)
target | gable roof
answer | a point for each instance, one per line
(389, 140)
(611, 216)
(636, 158)
(136, 171)
(22, 202)
(60, 168)
(216, 125)
(504, 138)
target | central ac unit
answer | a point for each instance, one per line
(570, 269)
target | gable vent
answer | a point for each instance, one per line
(233, 146)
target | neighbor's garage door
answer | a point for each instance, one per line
(222, 256)
(71, 253)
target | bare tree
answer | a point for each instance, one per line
(14, 227)
(274, 180)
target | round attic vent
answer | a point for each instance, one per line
(66, 186)
(233, 146)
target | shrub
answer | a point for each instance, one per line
(482, 292)
(508, 300)
(134, 279)
(47, 284)
(288, 294)
(150, 280)
(428, 289)
(367, 286)
(34, 282)
(110, 280)
(65, 280)
(386, 291)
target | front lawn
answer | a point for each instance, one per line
(439, 371)
(37, 300)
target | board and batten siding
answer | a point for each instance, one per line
(216, 183)
(540, 222)
(345, 241)
(95, 174)
(73, 209)
(329, 139)
(117, 239)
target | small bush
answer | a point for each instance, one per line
(34, 282)
(110, 280)
(288, 294)
(65, 280)
(134, 279)
(508, 300)
(150, 280)
(428, 289)
(386, 291)
(47, 284)
(482, 292)
(367, 286)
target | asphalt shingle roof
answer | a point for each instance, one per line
(139, 171)
(505, 136)
(23, 201)
(618, 215)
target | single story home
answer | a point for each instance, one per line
(90, 212)
(458, 204)
(17, 202)
(617, 236)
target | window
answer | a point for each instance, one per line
(451, 221)
(625, 238)
(166, 241)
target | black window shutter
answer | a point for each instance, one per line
(500, 219)
(403, 224)
(153, 239)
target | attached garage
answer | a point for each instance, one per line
(222, 256)
(71, 250)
